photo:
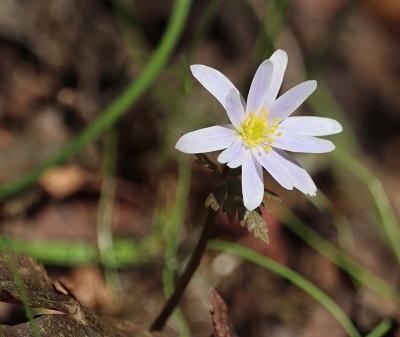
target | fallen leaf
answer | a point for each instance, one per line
(62, 181)
(220, 317)
(21, 274)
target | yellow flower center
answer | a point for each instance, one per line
(255, 130)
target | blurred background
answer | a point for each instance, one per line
(63, 62)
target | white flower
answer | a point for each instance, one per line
(262, 129)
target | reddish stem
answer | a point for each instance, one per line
(187, 274)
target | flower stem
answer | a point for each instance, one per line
(187, 274)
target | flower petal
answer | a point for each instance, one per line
(234, 155)
(299, 176)
(280, 60)
(311, 126)
(234, 108)
(209, 139)
(301, 143)
(259, 87)
(269, 162)
(252, 183)
(214, 81)
(286, 104)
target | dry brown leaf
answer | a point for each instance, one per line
(62, 181)
(256, 224)
(22, 274)
(219, 316)
(39, 289)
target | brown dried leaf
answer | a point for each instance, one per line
(255, 224)
(267, 207)
(54, 326)
(63, 181)
(76, 320)
(82, 323)
(212, 202)
(219, 316)
(38, 286)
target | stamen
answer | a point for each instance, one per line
(255, 130)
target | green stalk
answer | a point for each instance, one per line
(291, 276)
(325, 105)
(381, 329)
(105, 211)
(338, 257)
(385, 210)
(58, 253)
(118, 108)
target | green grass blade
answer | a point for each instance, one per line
(346, 145)
(381, 329)
(339, 220)
(21, 288)
(293, 277)
(338, 257)
(204, 25)
(172, 229)
(325, 105)
(116, 110)
(106, 209)
(59, 253)
(273, 20)
(385, 210)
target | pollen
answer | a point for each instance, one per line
(255, 130)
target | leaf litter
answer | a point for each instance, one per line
(73, 320)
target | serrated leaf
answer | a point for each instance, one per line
(230, 207)
(234, 189)
(203, 160)
(241, 210)
(256, 224)
(219, 316)
(212, 202)
(220, 191)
